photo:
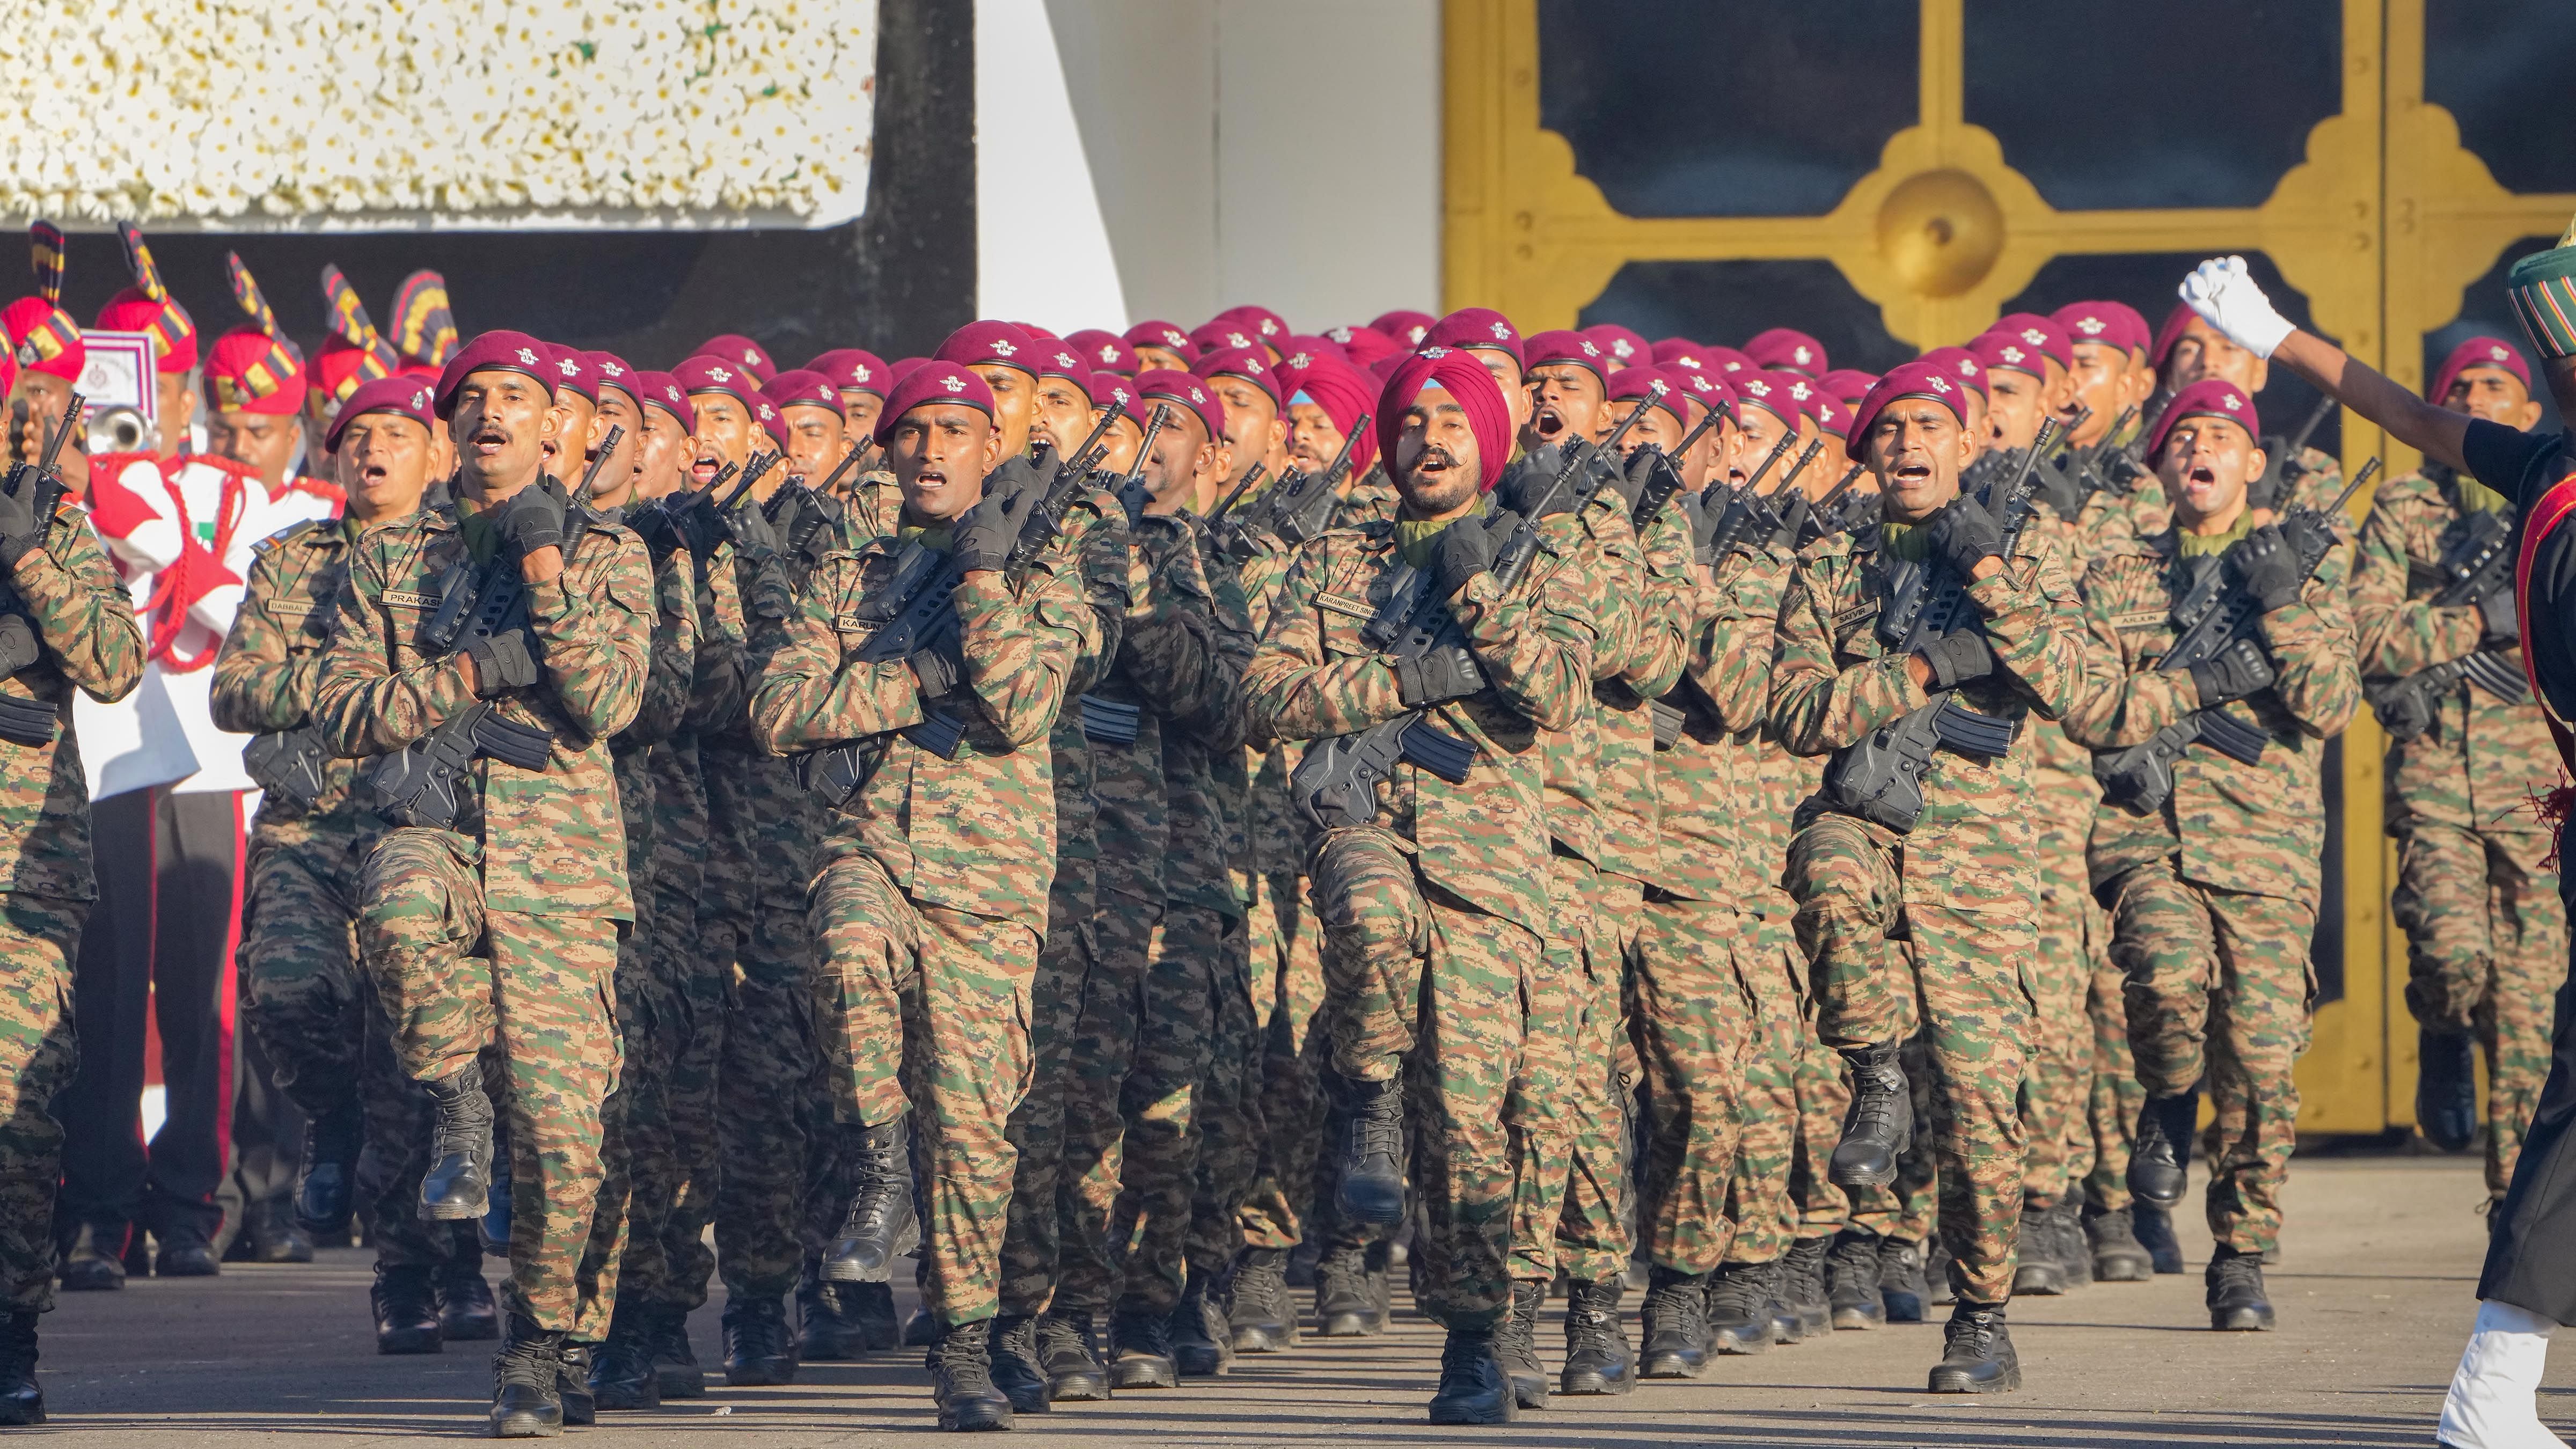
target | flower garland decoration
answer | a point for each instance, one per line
(221, 109)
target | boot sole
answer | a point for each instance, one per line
(980, 1417)
(2037, 1281)
(1264, 1338)
(1954, 1381)
(82, 1281)
(1128, 1375)
(1593, 1385)
(1671, 1368)
(2158, 1200)
(2140, 1269)
(859, 1270)
(681, 1383)
(624, 1401)
(2241, 1320)
(1032, 1400)
(1847, 1320)
(1200, 1363)
(1351, 1325)
(447, 1212)
(1500, 1413)
(411, 1341)
(1739, 1342)
(526, 1426)
(14, 1415)
(1530, 1391)
(759, 1376)
(1085, 1388)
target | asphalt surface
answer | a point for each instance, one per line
(2374, 1294)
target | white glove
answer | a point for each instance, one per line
(2227, 299)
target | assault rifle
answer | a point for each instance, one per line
(1336, 783)
(1667, 478)
(1747, 512)
(26, 721)
(2282, 469)
(1879, 777)
(915, 612)
(2476, 568)
(1825, 519)
(1232, 539)
(1131, 484)
(2212, 617)
(1301, 506)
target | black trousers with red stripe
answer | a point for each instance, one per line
(161, 940)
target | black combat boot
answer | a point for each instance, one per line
(882, 1225)
(1068, 1352)
(675, 1361)
(1202, 1341)
(1345, 1300)
(406, 1311)
(1900, 1279)
(2160, 1161)
(1880, 1124)
(920, 1330)
(1739, 1308)
(494, 1226)
(621, 1370)
(2118, 1256)
(1788, 1325)
(1516, 1344)
(1851, 1280)
(526, 1403)
(2036, 1271)
(2154, 1227)
(1011, 1355)
(1263, 1317)
(2237, 1302)
(466, 1312)
(870, 1306)
(1372, 1175)
(1474, 1389)
(572, 1383)
(758, 1349)
(825, 1333)
(22, 1399)
(95, 1260)
(1977, 1353)
(961, 1379)
(2446, 1088)
(2074, 1250)
(1802, 1285)
(1675, 1326)
(1597, 1357)
(458, 1183)
(326, 1183)
(1140, 1350)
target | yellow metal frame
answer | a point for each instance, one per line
(1944, 231)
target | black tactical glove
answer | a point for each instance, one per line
(532, 518)
(20, 528)
(19, 646)
(984, 535)
(752, 531)
(1526, 478)
(1444, 673)
(1632, 480)
(1959, 657)
(1965, 535)
(501, 663)
(2502, 620)
(2267, 567)
(2237, 671)
(940, 665)
(1466, 548)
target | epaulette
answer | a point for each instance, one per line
(292, 532)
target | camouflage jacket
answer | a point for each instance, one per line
(2259, 828)
(1834, 680)
(718, 683)
(1170, 666)
(1313, 677)
(1709, 847)
(1598, 580)
(1203, 770)
(976, 833)
(874, 506)
(86, 621)
(1644, 648)
(264, 676)
(1095, 534)
(2482, 761)
(2061, 770)
(670, 678)
(551, 840)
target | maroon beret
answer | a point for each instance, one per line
(1619, 346)
(1297, 350)
(613, 371)
(736, 348)
(933, 382)
(2043, 333)
(1188, 390)
(410, 396)
(2170, 333)
(574, 371)
(1224, 334)
(1477, 327)
(1704, 386)
(1774, 393)
(1407, 327)
(1107, 351)
(716, 374)
(1673, 348)
(662, 390)
(1922, 378)
(1961, 364)
(1848, 384)
(2109, 322)
(990, 344)
(1542, 348)
(1160, 334)
(1113, 387)
(2478, 352)
(853, 369)
(1059, 358)
(2210, 397)
(1269, 326)
(1784, 349)
(2003, 350)
(494, 352)
(1363, 346)
(902, 367)
(1632, 384)
(800, 387)
(1731, 361)
(1252, 364)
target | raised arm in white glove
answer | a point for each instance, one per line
(2229, 300)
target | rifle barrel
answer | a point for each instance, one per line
(2354, 486)
(2316, 419)
(1153, 429)
(590, 475)
(59, 435)
(1754, 482)
(1226, 506)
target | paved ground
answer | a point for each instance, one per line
(2374, 1298)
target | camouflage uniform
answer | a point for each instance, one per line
(2486, 932)
(1431, 909)
(648, 1011)
(931, 893)
(1935, 924)
(2214, 896)
(82, 616)
(1095, 532)
(503, 930)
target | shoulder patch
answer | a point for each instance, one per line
(292, 532)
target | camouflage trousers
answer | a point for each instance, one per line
(1595, 1229)
(626, 1229)
(1287, 989)
(1693, 1025)
(454, 979)
(674, 1171)
(2219, 993)
(1421, 983)
(1031, 1243)
(1933, 929)
(1225, 1117)
(1770, 1120)
(2486, 946)
(924, 1009)
(1109, 1026)
(2057, 1087)
(2111, 1110)
(299, 965)
(38, 1053)
(1556, 1086)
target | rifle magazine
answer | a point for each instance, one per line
(2244, 743)
(941, 733)
(1109, 721)
(1428, 747)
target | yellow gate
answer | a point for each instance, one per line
(1895, 174)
